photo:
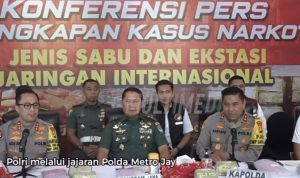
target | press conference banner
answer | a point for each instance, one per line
(54, 46)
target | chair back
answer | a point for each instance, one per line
(280, 127)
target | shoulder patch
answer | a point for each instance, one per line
(52, 132)
(159, 128)
(257, 137)
(52, 145)
(150, 116)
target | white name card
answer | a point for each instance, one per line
(245, 174)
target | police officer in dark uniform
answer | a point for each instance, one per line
(42, 140)
(133, 135)
(86, 122)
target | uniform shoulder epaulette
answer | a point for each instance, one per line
(115, 115)
(104, 105)
(115, 120)
(150, 117)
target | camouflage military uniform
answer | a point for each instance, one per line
(41, 142)
(89, 122)
(132, 137)
(216, 135)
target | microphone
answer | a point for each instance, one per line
(234, 135)
(23, 140)
(234, 140)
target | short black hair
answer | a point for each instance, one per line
(235, 77)
(132, 89)
(233, 91)
(22, 90)
(163, 82)
(89, 80)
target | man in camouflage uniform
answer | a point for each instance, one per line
(86, 122)
(133, 135)
(42, 139)
(219, 130)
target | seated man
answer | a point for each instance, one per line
(86, 122)
(42, 137)
(233, 124)
(296, 140)
(133, 135)
(173, 117)
(252, 106)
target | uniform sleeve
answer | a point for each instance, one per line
(187, 125)
(160, 138)
(106, 139)
(296, 137)
(261, 115)
(71, 123)
(255, 146)
(204, 139)
(3, 148)
(251, 154)
(52, 145)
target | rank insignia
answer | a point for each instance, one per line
(158, 126)
(115, 127)
(145, 126)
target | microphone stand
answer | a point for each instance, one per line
(233, 142)
(24, 170)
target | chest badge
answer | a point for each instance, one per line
(145, 126)
(122, 147)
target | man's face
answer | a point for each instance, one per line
(165, 94)
(233, 107)
(28, 108)
(91, 91)
(238, 83)
(132, 103)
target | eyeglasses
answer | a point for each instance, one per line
(27, 106)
